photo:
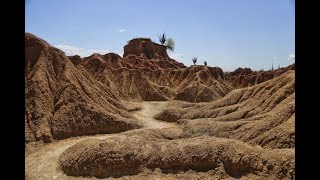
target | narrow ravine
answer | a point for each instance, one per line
(42, 161)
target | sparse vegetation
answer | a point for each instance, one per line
(205, 63)
(162, 38)
(194, 60)
(170, 44)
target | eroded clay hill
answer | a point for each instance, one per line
(262, 115)
(243, 77)
(249, 133)
(68, 96)
(160, 118)
(64, 101)
(147, 73)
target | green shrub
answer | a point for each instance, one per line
(170, 44)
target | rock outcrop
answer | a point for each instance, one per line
(146, 48)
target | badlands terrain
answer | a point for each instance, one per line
(146, 116)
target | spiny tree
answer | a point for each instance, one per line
(194, 60)
(205, 63)
(170, 44)
(162, 38)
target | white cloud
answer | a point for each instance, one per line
(100, 51)
(176, 56)
(70, 50)
(122, 30)
(82, 52)
(292, 56)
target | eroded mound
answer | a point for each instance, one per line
(130, 155)
(170, 115)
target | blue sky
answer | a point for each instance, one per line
(225, 33)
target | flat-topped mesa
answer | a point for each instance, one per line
(146, 48)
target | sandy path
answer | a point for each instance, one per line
(149, 109)
(42, 162)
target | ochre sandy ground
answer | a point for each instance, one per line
(42, 159)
